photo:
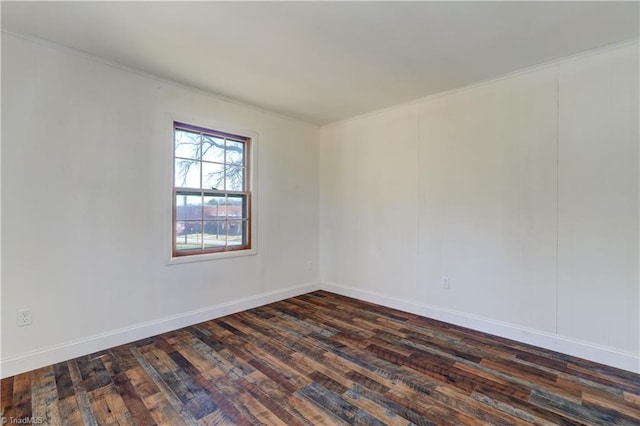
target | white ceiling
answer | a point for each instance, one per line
(326, 61)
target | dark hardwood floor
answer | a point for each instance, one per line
(324, 359)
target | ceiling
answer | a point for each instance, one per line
(326, 61)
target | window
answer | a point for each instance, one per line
(211, 197)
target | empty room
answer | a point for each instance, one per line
(320, 213)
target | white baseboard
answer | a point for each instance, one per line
(21, 363)
(602, 354)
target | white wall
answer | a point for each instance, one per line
(487, 200)
(86, 206)
(598, 203)
(523, 191)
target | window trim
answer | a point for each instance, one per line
(249, 137)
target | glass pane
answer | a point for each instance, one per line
(212, 149)
(188, 207)
(187, 173)
(236, 232)
(187, 144)
(212, 176)
(236, 206)
(214, 234)
(235, 152)
(235, 178)
(214, 208)
(188, 235)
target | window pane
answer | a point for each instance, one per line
(212, 149)
(187, 173)
(235, 178)
(236, 231)
(212, 176)
(214, 208)
(214, 234)
(188, 235)
(187, 144)
(236, 206)
(188, 207)
(235, 152)
(207, 168)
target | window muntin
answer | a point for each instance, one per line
(211, 202)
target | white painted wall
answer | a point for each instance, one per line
(598, 290)
(86, 203)
(368, 204)
(487, 200)
(523, 191)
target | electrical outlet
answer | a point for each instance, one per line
(445, 283)
(309, 265)
(24, 318)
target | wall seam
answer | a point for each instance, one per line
(419, 282)
(557, 196)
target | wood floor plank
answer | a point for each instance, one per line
(226, 408)
(70, 412)
(161, 410)
(22, 394)
(108, 407)
(165, 390)
(82, 399)
(221, 378)
(93, 372)
(607, 402)
(132, 400)
(577, 411)
(63, 380)
(217, 418)
(142, 383)
(6, 394)
(324, 359)
(253, 384)
(44, 395)
(632, 398)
